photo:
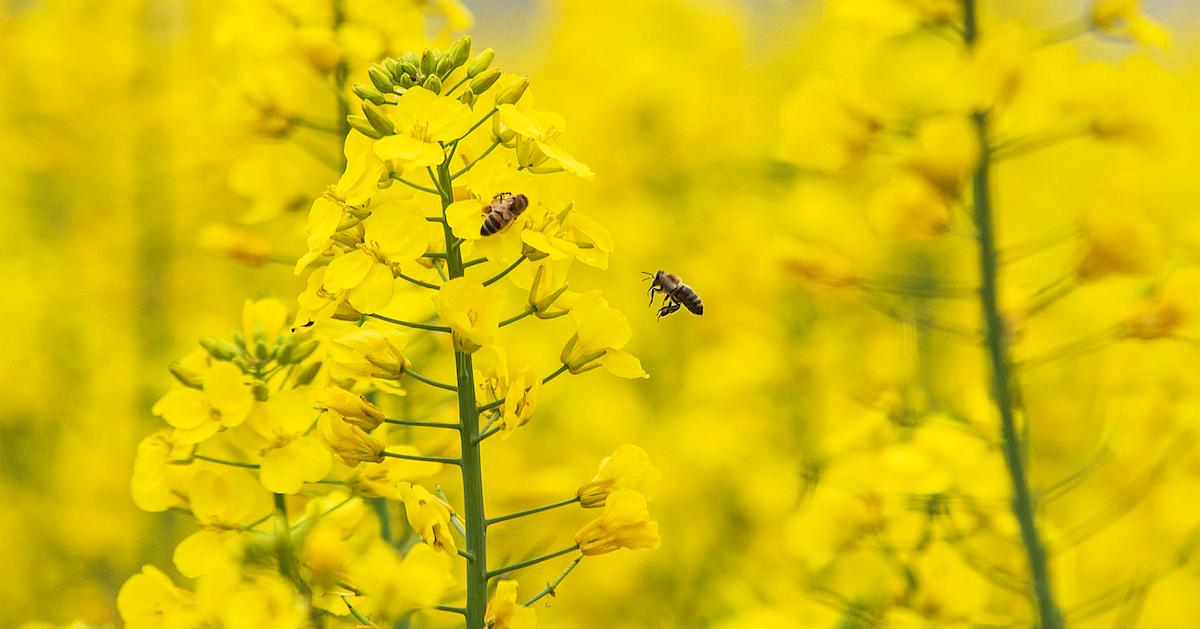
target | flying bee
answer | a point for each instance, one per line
(504, 209)
(676, 294)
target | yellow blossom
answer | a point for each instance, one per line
(393, 234)
(944, 151)
(223, 503)
(348, 441)
(1170, 310)
(627, 468)
(355, 409)
(504, 612)
(1125, 18)
(391, 477)
(538, 133)
(472, 312)
(909, 207)
(290, 456)
(1118, 239)
(430, 518)
(241, 244)
(392, 587)
(158, 484)
(150, 600)
(625, 523)
(374, 355)
(268, 602)
(223, 401)
(602, 332)
(423, 119)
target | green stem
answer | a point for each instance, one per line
(521, 514)
(385, 520)
(498, 403)
(530, 562)
(552, 586)
(433, 383)
(249, 466)
(419, 457)
(421, 424)
(289, 565)
(1000, 363)
(482, 155)
(474, 519)
(446, 165)
(410, 324)
(505, 272)
(415, 186)
(517, 317)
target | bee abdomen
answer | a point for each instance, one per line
(491, 225)
(689, 299)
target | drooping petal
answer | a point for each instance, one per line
(284, 470)
(348, 270)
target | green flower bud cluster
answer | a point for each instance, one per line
(257, 355)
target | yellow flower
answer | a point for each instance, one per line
(150, 600)
(1117, 239)
(157, 483)
(392, 587)
(565, 235)
(944, 151)
(394, 233)
(548, 293)
(825, 126)
(353, 408)
(818, 264)
(224, 400)
(1171, 308)
(493, 383)
(372, 355)
(504, 612)
(471, 311)
(625, 523)
(602, 332)
(538, 133)
(267, 602)
(241, 244)
(422, 120)
(911, 208)
(290, 457)
(430, 518)
(348, 441)
(627, 468)
(1125, 18)
(262, 323)
(223, 503)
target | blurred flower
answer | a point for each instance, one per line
(290, 457)
(1125, 18)
(625, 523)
(392, 587)
(150, 600)
(241, 244)
(628, 468)
(223, 503)
(472, 312)
(158, 483)
(910, 208)
(430, 518)
(503, 611)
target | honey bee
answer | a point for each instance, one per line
(676, 294)
(504, 209)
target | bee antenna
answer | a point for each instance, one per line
(648, 275)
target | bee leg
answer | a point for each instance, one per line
(671, 306)
(652, 291)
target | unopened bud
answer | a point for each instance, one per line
(185, 378)
(429, 61)
(444, 67)
(296, 352)
(379, 78)
(261, 392)
(513, 93)
(467, 98)
(219, 348)
(378, 119)
(369, 93)
(410, 61)
(394, 69)
(407, 81)
(307, 373)
(360, 124)
(459, 51)
(481, 83)
(433, 84)
(507, 136)
(481, 62)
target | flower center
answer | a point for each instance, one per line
(420, 131)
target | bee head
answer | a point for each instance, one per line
(520, 202)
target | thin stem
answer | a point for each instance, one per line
(471, 165)
(421, 424)
(470, 263)
(450, 91)
(410, 324)
(357, 614)
(487, 433)
(1000, 363)
(454, 519)
(289, 564)
(413, 280)
(452, 610)
(505, 272)
(552, 587)
(420, 457)
(517, 317)
(415, 186)
(249, 466)
(474, 520)
(385, 519)
(521, 514)
(433, 383)
(475, 126)
(530, 562)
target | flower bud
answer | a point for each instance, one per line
(261, 392)
(355, 409)
(433, 84)
(349, 442)
(219, 348)
(407, 81)
(411, 62)
(444, 67)
(503, 133)
(378, 119)
(307, 373)
(429, 61)
(513, 93)
(379, 78)
(459, 52)
(184, 377)
(360, 124)
(481, 62)
(467, 98)
(368, 92)
(394, 69)
(296, 352)
(481, 83)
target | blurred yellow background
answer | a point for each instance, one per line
(828, 450)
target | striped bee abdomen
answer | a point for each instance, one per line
(690, 300)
